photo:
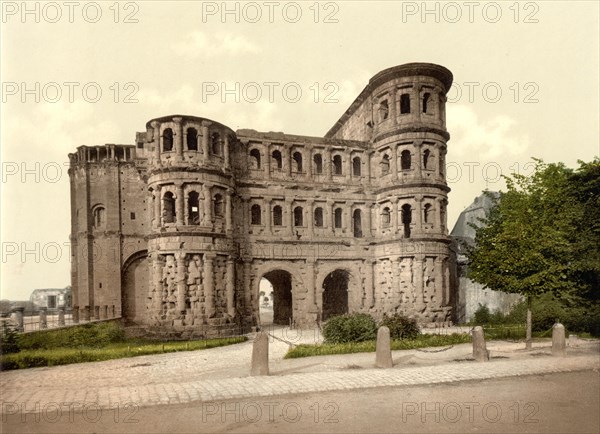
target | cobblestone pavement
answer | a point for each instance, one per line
(223, 373)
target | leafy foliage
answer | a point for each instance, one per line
(355, 327)
(92, 335)
(9, 342)
(401, 327)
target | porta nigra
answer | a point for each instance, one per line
(175, 232)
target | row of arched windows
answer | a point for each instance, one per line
(169, 210)
(337, 166)
(383, 109)
(191, 141)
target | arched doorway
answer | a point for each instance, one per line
(335, 294)
(134, 288)
(281, 282)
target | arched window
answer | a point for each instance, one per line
(276, 155)
(383, 110)
(193, 208)
(356, 166)
(297, 161)
(277, 216)
(337, 217)
(255, 212)
(218, 206)
(167, 140)
(442, 163)
(426, 101)
(168, 212)
(337, 165)
(298, 217)
(318, 160)
(191, 139)
(426, 155)
(255, 159)
(215, 143)
(427, 209)
(404, 103)
(406, 219)
(357, 223)
(405, 160)
(319, 217)
(385, 164)
(386, 217)
(99, 215)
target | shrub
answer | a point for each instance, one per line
(401, 327)
(482, 315)
(355, 327)
(93, 335)
(9, 342)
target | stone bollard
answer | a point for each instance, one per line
(18, 311)
(383, 351)
(61, 316)
(260, 355)
(558, 340)
(75, 314)
(573, 341)
(480, 352)
(43, 318)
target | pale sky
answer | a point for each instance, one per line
(533, 69)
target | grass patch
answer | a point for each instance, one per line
(422, 341)
(29, 358)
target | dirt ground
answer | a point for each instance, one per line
(559, 403)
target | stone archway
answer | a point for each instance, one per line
(134, 288)
(282, 296)
(335, 294)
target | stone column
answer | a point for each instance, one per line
(181, 282)
(230, 287)
(290, 209)
(156, 283)
(446, 270)
(43, 317)
(156, 140)
(205, 140)
(418, 214)
(287, 164)
(328, 163)
(228, 214)
(347, 218)
(226, 154)
(393, 108)
(348, 157)
(157, 206)
(179, 205)
(394, 215)
(267, 159)
(436, 215)
(367, 226)
(209, 287)
(369, 296)
(268, 212)
(439, 279)
(309, 161)
(310, 217)
(310, 286)
(418, 276)
(75, 314)
(249, 289)
(61, 316)
(417, 106)
(418, 158)
(206, 191)
(331, 210)
(394, 162)
(18, 311)
(178, 139)
(368, 167)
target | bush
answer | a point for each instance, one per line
(355, 327)
(92, 335)
(401, 327)
(482, 315)
(9, 342)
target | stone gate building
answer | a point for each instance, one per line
(176, 231)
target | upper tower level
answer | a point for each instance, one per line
(404, 98)
(180, 140)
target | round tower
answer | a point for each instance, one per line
(193, 262)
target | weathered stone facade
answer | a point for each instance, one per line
(184, 224)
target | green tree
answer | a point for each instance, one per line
(525, 244)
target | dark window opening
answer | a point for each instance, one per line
(405, 160)
(385, 164)
(277, 216)
(319, 217)
(383, 110)
(99, 215)
(404, 103)
(406, 219)
(255, 159)
(426, 102)
(218, 205)
(255, 214)
(386, 217)
(357, 223)
(193, 208)
(215, 140)
(278, 160)
(356, 166)
(426, 155)
(337, 165)
(132, 215)
(318, 160)
(337, 217)
(427, 213)
(168, 212)
(167, 140)
(298, 217)
(192, 139)
(298, 161)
